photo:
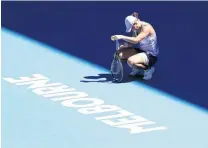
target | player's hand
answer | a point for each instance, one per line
(116, 37)
(121, 46)
(126, 44)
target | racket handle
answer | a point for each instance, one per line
(117, 45)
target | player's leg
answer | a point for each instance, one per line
(125, 53)
(140, 64)
(139, 60)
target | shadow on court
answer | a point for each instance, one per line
(108, 78)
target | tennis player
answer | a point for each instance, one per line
(140, 50)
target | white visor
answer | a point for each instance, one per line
(129, 21)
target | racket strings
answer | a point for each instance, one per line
(116, 66)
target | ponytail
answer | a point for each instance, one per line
(135, 14)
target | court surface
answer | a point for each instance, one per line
(56, 83)
(32, 119)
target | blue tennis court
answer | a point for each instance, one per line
(56, 83)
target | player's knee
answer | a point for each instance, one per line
(121, 55)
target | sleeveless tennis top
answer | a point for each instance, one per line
(148, 44)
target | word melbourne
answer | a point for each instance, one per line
(69, 97)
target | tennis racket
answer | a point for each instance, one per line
(116, 65)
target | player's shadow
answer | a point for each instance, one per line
(106, 77)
